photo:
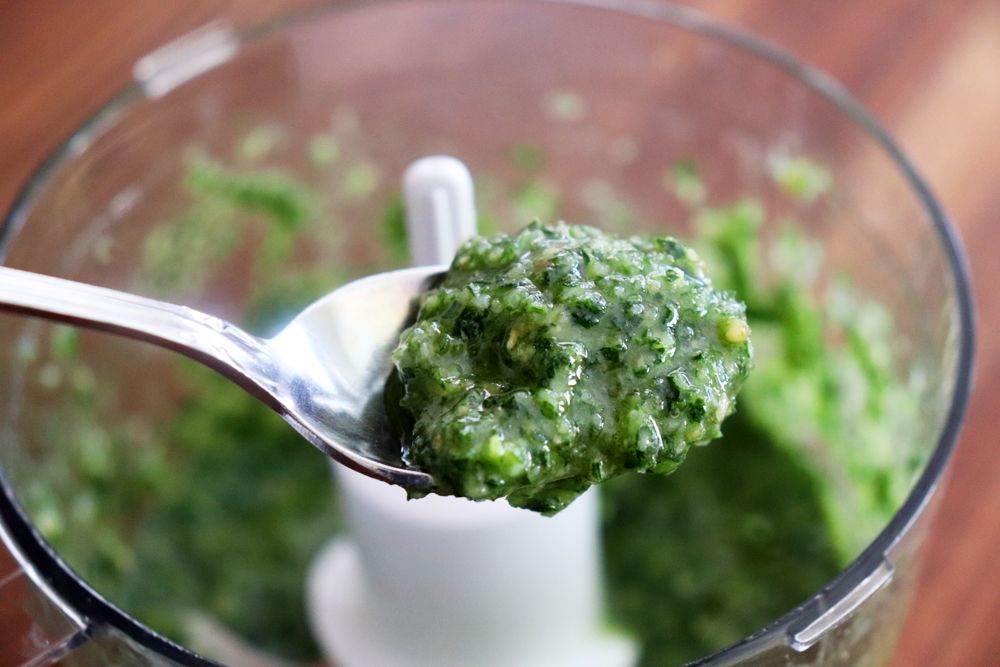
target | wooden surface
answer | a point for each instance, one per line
(929, 69)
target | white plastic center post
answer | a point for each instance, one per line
(440, 208)
(447, 582)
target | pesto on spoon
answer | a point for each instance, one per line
(561, 357)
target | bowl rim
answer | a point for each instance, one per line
(103, 616)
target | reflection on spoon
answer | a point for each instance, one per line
(324, 373)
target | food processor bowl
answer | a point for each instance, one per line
(247, 173)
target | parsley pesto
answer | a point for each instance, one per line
(561, 357)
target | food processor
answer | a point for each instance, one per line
(246, 173)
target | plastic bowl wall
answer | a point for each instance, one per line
(560, 109)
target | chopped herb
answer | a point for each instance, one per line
(799, 177)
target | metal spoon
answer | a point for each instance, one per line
(324, 373)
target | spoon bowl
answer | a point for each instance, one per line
(324, 373)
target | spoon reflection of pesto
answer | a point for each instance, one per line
(561, 357)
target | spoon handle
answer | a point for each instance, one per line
(209, 340)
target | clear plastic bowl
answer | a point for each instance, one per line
(589, 111)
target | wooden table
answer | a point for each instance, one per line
(929, 69)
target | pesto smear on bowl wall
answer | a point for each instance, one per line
(560, 357)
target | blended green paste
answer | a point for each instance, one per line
(561, 357)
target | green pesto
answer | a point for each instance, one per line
(728, 543)
(561, 357)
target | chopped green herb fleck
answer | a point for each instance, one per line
(527, 157)
(537, 201)
(394, 235)
(361, 180)
(65, 342)
(683, 180)
(324, 150)
(800, 178)
(272, 193)
(259, 142)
